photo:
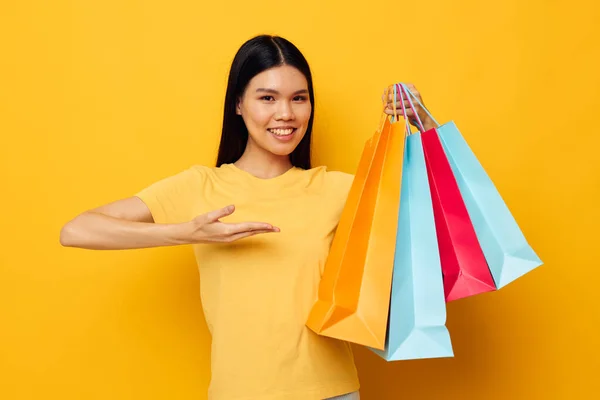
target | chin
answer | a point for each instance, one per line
(282, 150)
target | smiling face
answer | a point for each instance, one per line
(276, 109)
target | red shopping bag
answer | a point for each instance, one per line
(464, 266)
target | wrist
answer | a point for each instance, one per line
(429, 124)
(180, 233)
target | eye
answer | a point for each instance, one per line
(267, 98)
(300, 98)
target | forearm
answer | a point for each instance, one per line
(95, 231)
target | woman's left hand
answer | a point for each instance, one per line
(425, 118)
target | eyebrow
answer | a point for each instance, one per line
(273, 91)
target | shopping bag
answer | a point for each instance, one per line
(417, 321)
(508, 254)
(355, 288)
(464, 266)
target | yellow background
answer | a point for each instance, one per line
(100, 98)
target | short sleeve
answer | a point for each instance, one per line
(171, 199)
(339, 185)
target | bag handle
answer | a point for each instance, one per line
(412, 106)
(411, 94)
(398, 88)
(407, 130)
(395, 116)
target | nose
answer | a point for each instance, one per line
(285, 112)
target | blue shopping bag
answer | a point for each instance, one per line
(508, 254)
(417, 317)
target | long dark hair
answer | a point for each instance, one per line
(255, 56)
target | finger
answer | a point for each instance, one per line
(234, 229)
(399, 112)
(412, 88)
(407, 105)
(220, 213)
(399, 108)
(242, 235)
(391, 97)
(406, 102)
(414, 92)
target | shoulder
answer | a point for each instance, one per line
(333, 176)
(193, 174)
(196, 172)
(178, 180)
(340, 178)
(170, 197)
(332, 181)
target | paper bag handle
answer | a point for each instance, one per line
(411, 94)
(405, 90)
(407, 130)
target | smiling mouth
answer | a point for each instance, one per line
(282, 132)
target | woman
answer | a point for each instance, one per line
(261, 223)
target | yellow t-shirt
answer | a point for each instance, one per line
(257, 292)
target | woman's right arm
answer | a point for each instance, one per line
(128, 224)
(123, 224)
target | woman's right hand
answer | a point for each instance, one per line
(207, 228)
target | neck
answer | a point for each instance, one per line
(261, 163)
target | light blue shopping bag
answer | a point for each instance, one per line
(416, 325)
(508, 254)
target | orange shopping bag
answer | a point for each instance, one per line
(354, 292)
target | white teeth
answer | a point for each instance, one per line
(281, 132)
